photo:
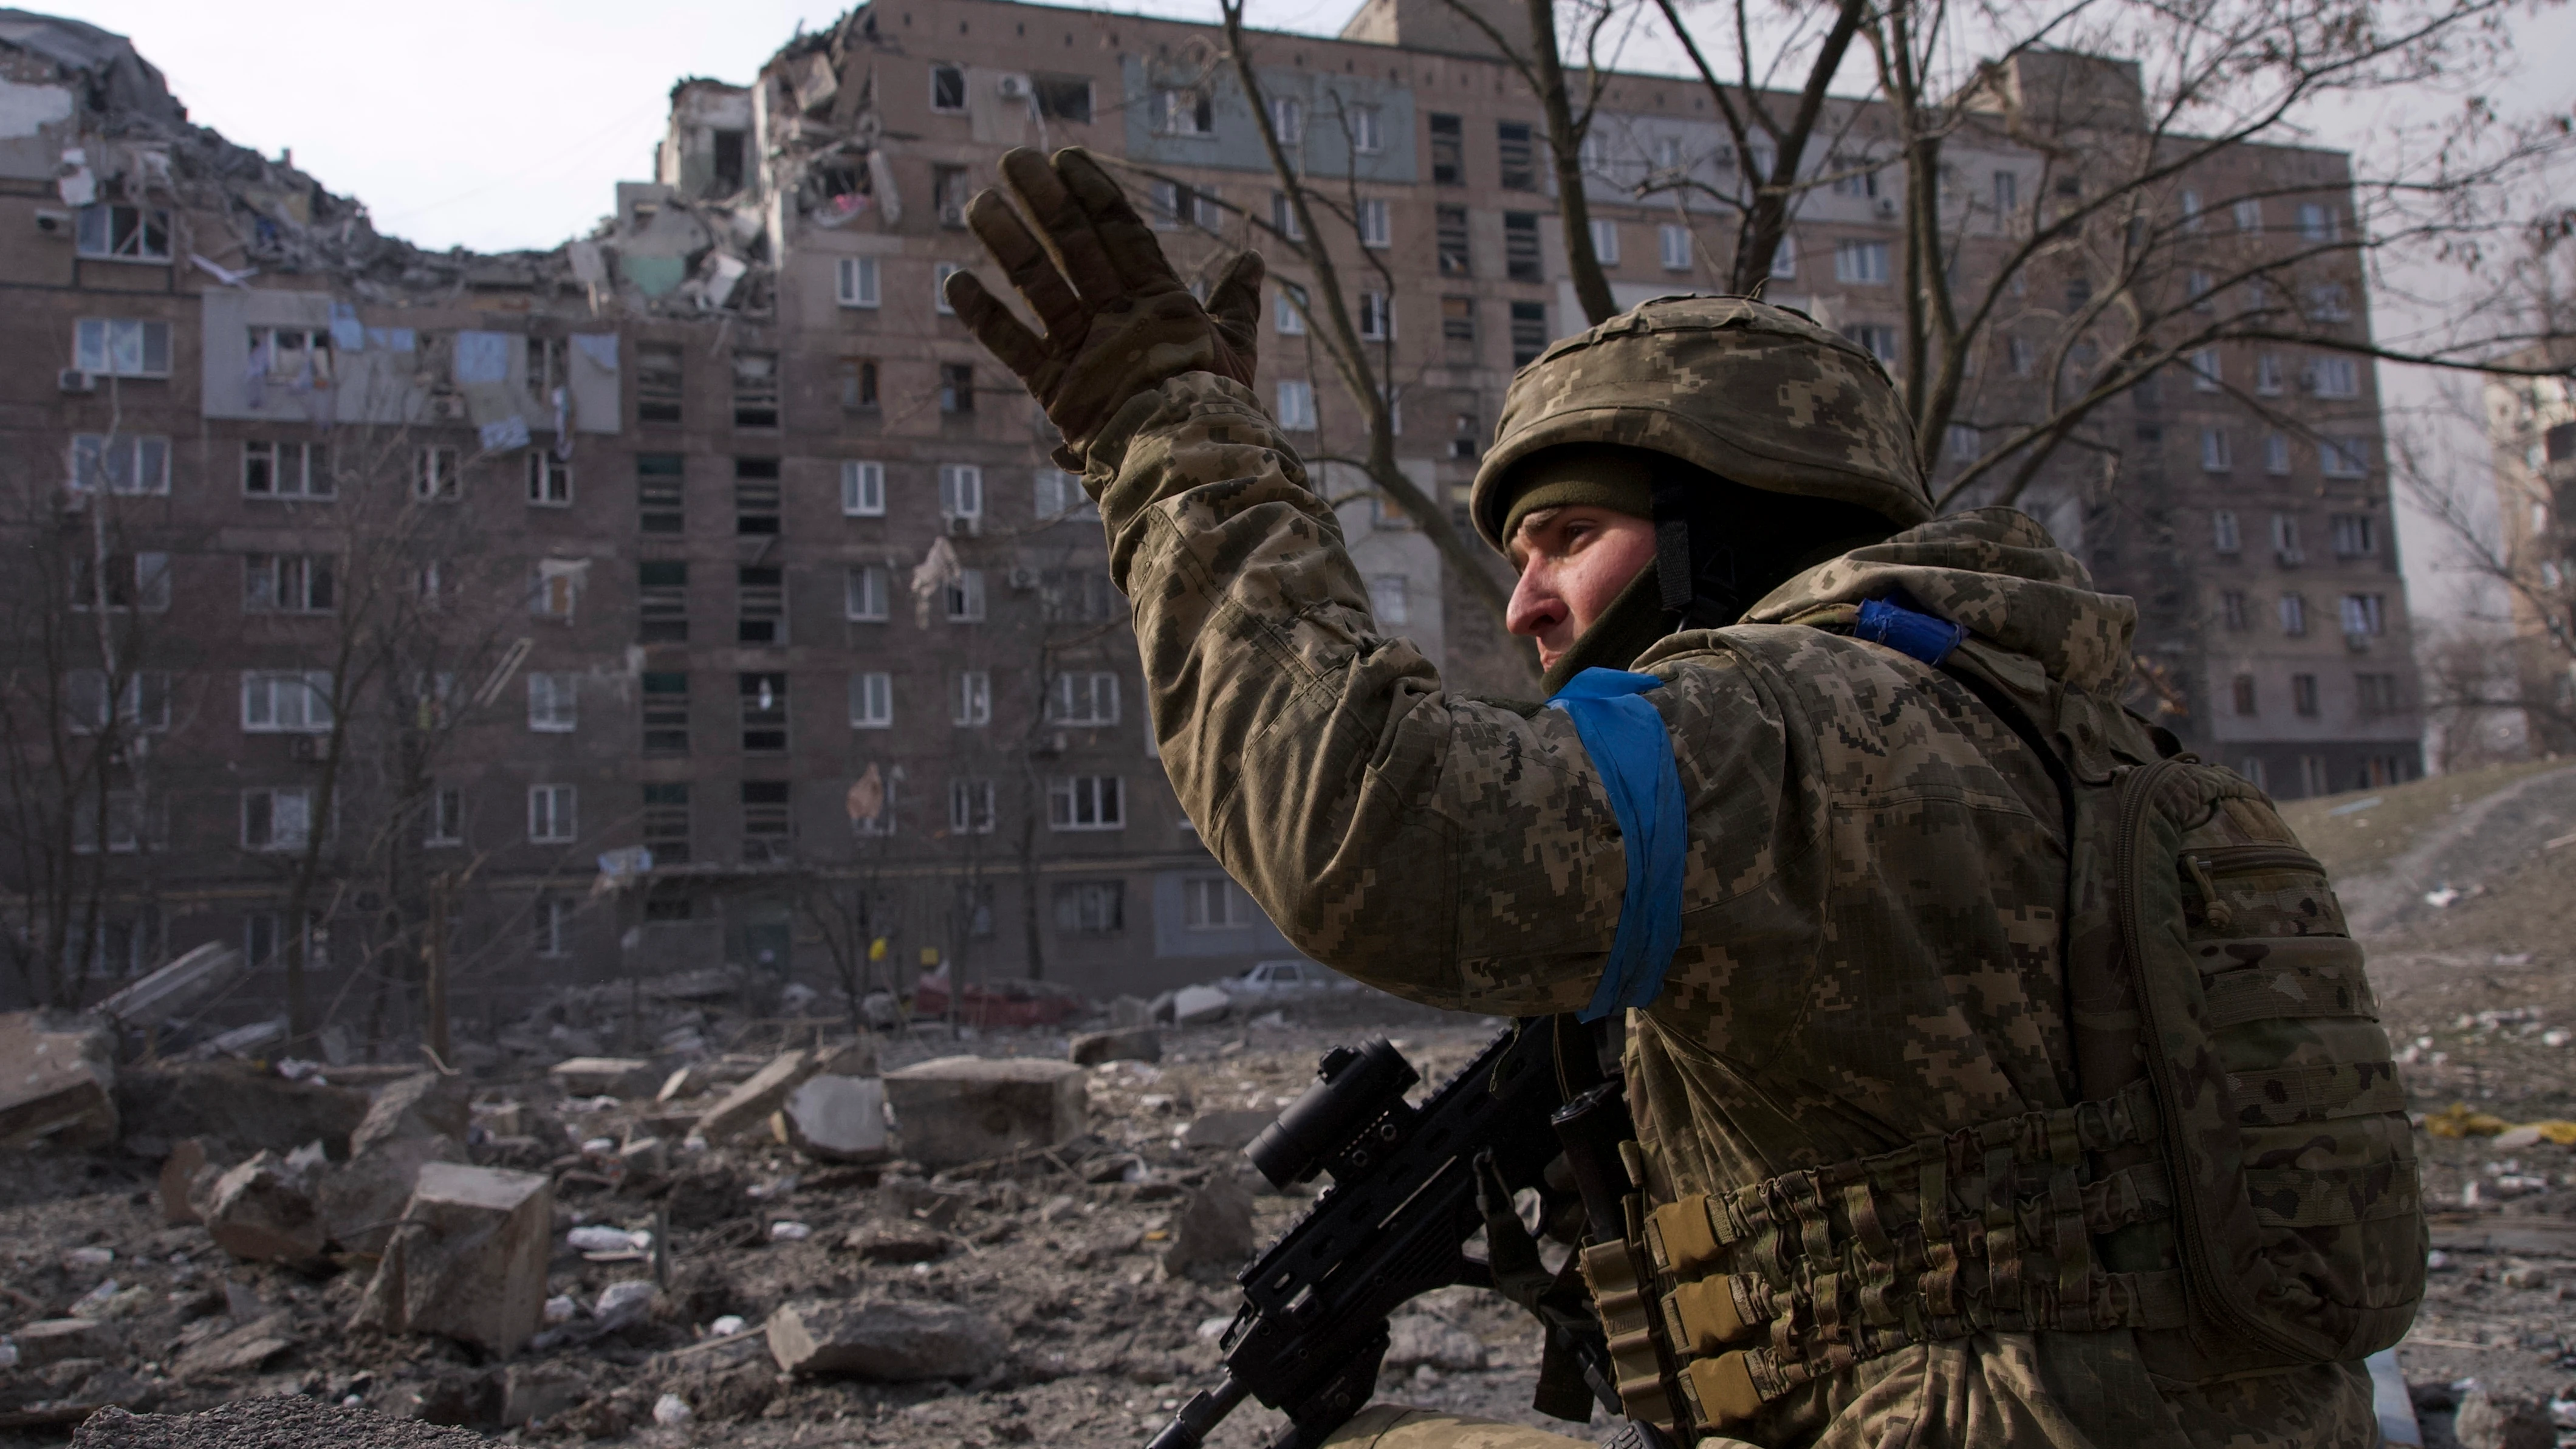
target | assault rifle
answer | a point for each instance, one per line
(1411, 1185)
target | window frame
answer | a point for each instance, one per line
(856, 283)
(561, 819)
(863, 490)
(871, 699)
(1102, 798)
(554, 701)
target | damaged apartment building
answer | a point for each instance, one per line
(699, 593)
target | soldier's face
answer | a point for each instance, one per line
(1573, 563)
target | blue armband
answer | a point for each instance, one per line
(1633, 751)
(1908, 632)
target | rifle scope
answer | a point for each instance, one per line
(1358, 1096)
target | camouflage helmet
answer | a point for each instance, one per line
(1751, 392)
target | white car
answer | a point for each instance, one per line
(1294, 976)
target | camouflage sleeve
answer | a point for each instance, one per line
(1445, 850)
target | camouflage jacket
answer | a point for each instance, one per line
(1875, 874)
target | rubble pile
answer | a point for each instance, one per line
(898, 1234)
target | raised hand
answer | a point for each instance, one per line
(1118, 320)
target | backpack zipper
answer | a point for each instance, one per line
(2135, 800)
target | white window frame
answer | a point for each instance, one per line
(274, 838)
(2318, 222)
(2224, 535)
(2276, 454)
(2268, 374)
(2337, 376)
(867, 594)
(1368, 130)
(2365, 615)
(144, 705)
(1086, 803)
(2217, 454)
(872, 700)
(970, 807)
(1083, 697)
(446, 823)
(2294, 615)
(2343, 455)
(437, 473)
(959, 71)
(553, 814)
(940, 272)
(95, 233)
(970, 703)
(2249, 215)
(964, 597)
(1284, 317)
(2286, 546)
(554, 701)
(1375, 226)
(1861, 263)
(283, 583)
(855, 282)
(545, 472)
(120, 346)
(1784, 259)
(267, 693)
(961, 492)
(1058, 496)
(1177, 108)
(312, 483)
(1288, 120)
(146, 459)
(1605, 240)
(1377, 317)
(2205, 370)
(1296, 411)
(1675, 240)
(553, 914)
(863, 492)
(1214, 903)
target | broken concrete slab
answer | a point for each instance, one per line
(1229, 1129)
(239, 1350)
(178, 1174)
(1214, 1228)
(55, 1340)
(468, 1259)
(237, 1111)
(1129, 1011)
(645, 1156)
(684, 1082)
(1199, 1005)
(856, 1057)
(836, 1119)
(168, 992)
(57, 1083)
(603, 1076)
(899, 1244)
(893, 1342)
(1128, 1044)
(953, 1110)
(363, 1198)
(263, 1212)
(427, 1104)
(750, 1102)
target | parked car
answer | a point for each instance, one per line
(1293, 976)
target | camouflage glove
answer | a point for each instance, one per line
(1118, 321)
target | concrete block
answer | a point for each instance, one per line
(836, 1119)
(363, 1198)
(1229, 1128)
(645, 1156)
(1129, 1011)
(237, 1350)
(1214, 1228)
(683, 1082)
(603, 1076)
(53, 1340)
(751, 1101)
(2490, 1420)
(468, 1259)
(1127, 1044)
(894, 1342)
(56, 1081)
(1199, 1005)
(856, 1057)
(179, 1173)
(953, 1110)
(237, 1111)
(263, 1212)
(168, 992)
(428, 1104)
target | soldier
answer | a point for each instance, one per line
(1823, 880)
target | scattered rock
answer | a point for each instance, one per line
(1127, 1011)
(1416, 1339)
(1214, 1227)
(536, 1391)
(56, 1081)
(2488, 1420)
(1230, 1128)
(427, 1104)
(895, 1342)
(53, 1340)
(603, 1076)
(1130, 1044)
(468, 1259)
(646, 1156)
(178, 1174)
(835, 1118)
(2524, 1276)
(239, 1350)
(954, 1110)
(751, 1101)
(263, 1212)
(363, 1198)
(898, 1245)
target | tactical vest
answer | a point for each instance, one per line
(2237, 1186)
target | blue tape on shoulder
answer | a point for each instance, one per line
(1631, 747)
(1908, 632)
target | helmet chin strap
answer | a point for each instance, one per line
(1701, 593)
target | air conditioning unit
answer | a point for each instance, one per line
(312, 749)
(1887, 207)
(49, 220)
(1024, 579)
(72, 379)
(1014, 87)
(963, 525)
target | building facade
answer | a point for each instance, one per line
(700, 593)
